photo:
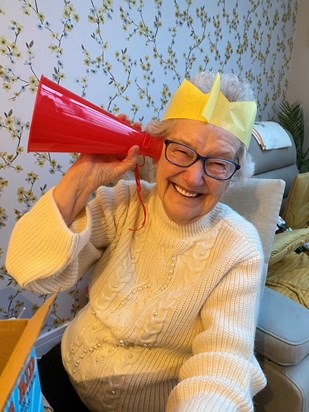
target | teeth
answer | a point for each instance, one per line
(184, 192)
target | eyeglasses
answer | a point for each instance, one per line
(183, 156)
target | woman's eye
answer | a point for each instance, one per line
(180, 152)
(217, 165)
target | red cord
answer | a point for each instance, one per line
(138, 187)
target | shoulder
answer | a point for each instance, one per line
(235, 226)
(123, 199)
(124, 189)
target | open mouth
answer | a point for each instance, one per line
(184, 192)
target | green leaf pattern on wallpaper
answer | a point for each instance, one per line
(125, 56)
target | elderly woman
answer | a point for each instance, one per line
(172, 310)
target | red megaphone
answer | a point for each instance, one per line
(64, 122)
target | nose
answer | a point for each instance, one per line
(194, 174)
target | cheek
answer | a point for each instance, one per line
(163, 170)
(217, 189)
(222, 189)
(159, 171)
(161, 178)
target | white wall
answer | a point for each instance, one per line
(298, 88)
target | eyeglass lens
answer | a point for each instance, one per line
(184, 156)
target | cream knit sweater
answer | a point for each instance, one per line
(172, 314)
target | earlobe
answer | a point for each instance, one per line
(227, 186)
(147, 168)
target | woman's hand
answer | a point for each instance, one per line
(88, 173)
(125, 119)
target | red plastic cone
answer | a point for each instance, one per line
(64, 122)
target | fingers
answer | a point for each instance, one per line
(132, 154)
(137, 126)
(123, 117)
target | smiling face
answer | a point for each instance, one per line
(187, 194)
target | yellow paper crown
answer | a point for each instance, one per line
(189, 102)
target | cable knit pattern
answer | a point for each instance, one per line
(172, 313)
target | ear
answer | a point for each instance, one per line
(147, 168)
(225, 187)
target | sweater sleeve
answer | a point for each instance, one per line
(44, 254)
(222, 374)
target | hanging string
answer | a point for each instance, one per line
(138, 187)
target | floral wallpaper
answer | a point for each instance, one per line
(127, 56)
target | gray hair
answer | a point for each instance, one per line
(234, 89)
